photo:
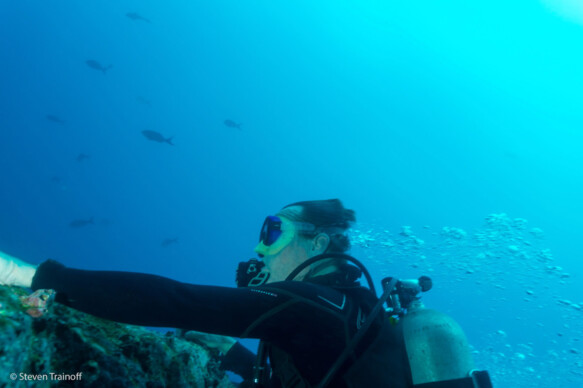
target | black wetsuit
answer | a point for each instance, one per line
(310, 322)
(240, 360)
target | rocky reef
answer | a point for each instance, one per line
(47, 344)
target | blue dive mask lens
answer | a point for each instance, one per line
(271, 230)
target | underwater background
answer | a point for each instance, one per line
(150, 137)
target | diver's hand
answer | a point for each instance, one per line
(14, 272)
(213, 341)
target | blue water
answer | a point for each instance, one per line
(425, 114)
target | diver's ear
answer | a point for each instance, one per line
(320, 243)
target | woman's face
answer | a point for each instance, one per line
(281, 264)
(288, 251)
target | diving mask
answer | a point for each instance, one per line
(277, 232)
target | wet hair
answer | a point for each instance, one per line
(330, 217)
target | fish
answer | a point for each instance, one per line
(135, 17)
(143, 101)
(82, 157)
(59, 182)
(232, 124)
(169, 241)
(155, 136)
(55, 119)
(97, 66)
(81, 223)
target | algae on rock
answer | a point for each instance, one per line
(88, 351)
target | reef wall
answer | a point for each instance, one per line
(58, 346)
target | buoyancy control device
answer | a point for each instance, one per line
(437, 349)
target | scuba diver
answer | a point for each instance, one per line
(317, 325)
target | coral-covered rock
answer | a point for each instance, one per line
(66, 347)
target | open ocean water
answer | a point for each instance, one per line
(155, 137)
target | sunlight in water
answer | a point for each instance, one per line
(568, 9)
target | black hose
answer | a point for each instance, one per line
(344, 256)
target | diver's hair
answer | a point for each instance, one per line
(329, 216)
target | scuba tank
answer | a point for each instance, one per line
(437, 349)
(436, 345)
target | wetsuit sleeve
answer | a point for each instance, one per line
(310, 322)
(151, 300)
(239, 360)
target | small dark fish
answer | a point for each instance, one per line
(155, 136)
(143, 101)
(232, 124)
(59, 183)
(97, 66)
(55, 119)
(135, 17)
(80, 223)
(81, 157)
(169, 241)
